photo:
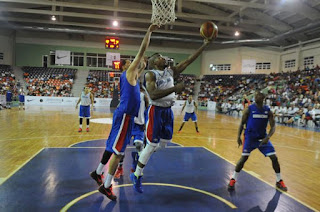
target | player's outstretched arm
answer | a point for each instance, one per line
(154, 93)
(184, 64)
(242, 123)
(133, 68)
(142, 66)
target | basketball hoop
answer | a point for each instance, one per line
(163, 12)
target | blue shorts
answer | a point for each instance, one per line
(120, 134)
(250, 144)
(159, 124)
(187, 116)
(137, 133)
(84, 111)
(21, 98)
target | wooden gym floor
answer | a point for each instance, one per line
(24, 133)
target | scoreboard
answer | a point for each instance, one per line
(112, 43)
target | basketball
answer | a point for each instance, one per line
(209, 30)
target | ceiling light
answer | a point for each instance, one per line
(115, 23)
(53, 18)
(237, 33)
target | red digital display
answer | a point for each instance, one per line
(116, 65)
(112, 43)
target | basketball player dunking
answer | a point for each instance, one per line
(86, 98)
(191, 109)
(123, 119)
(256, 118)
(161, 89)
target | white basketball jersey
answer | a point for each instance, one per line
(140, 119)
(164, 80)
(190, 106)
(85, 99)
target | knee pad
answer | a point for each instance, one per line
(146, 154)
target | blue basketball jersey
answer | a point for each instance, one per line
(9, 96)
(129, 96)
(257, 121)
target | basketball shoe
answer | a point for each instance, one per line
(118, 173)
(108, 192)
(231, 184)
(137, 186)
(280, 185)
(98, 178)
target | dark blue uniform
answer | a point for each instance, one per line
(9, 96)
(256, 130)
(123, 117)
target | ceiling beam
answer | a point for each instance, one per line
(297, 7)
(126, 10)
(210, 10)
(101, 26)
(119, 18)
(112, 8)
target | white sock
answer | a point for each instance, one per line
(138, 171)
(100, 169)
(278, 175)
(80, 126)
(235, 175)
(107, 183)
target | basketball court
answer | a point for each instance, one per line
(190, 174)
(45, 162)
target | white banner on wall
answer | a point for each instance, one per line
(248, 66)
(72, 101)
(112, 57)
(3, 100)
(62, 57)
(62, 101)
(211, 105)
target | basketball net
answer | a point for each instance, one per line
(163, 12)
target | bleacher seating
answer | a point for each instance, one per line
(102, 82)
(49, 81)
(189, 82)
(7, 79)
(286, 92)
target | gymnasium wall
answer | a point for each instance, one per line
(6, 46)
(30, 47)
(234, 57)
(298, 54)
